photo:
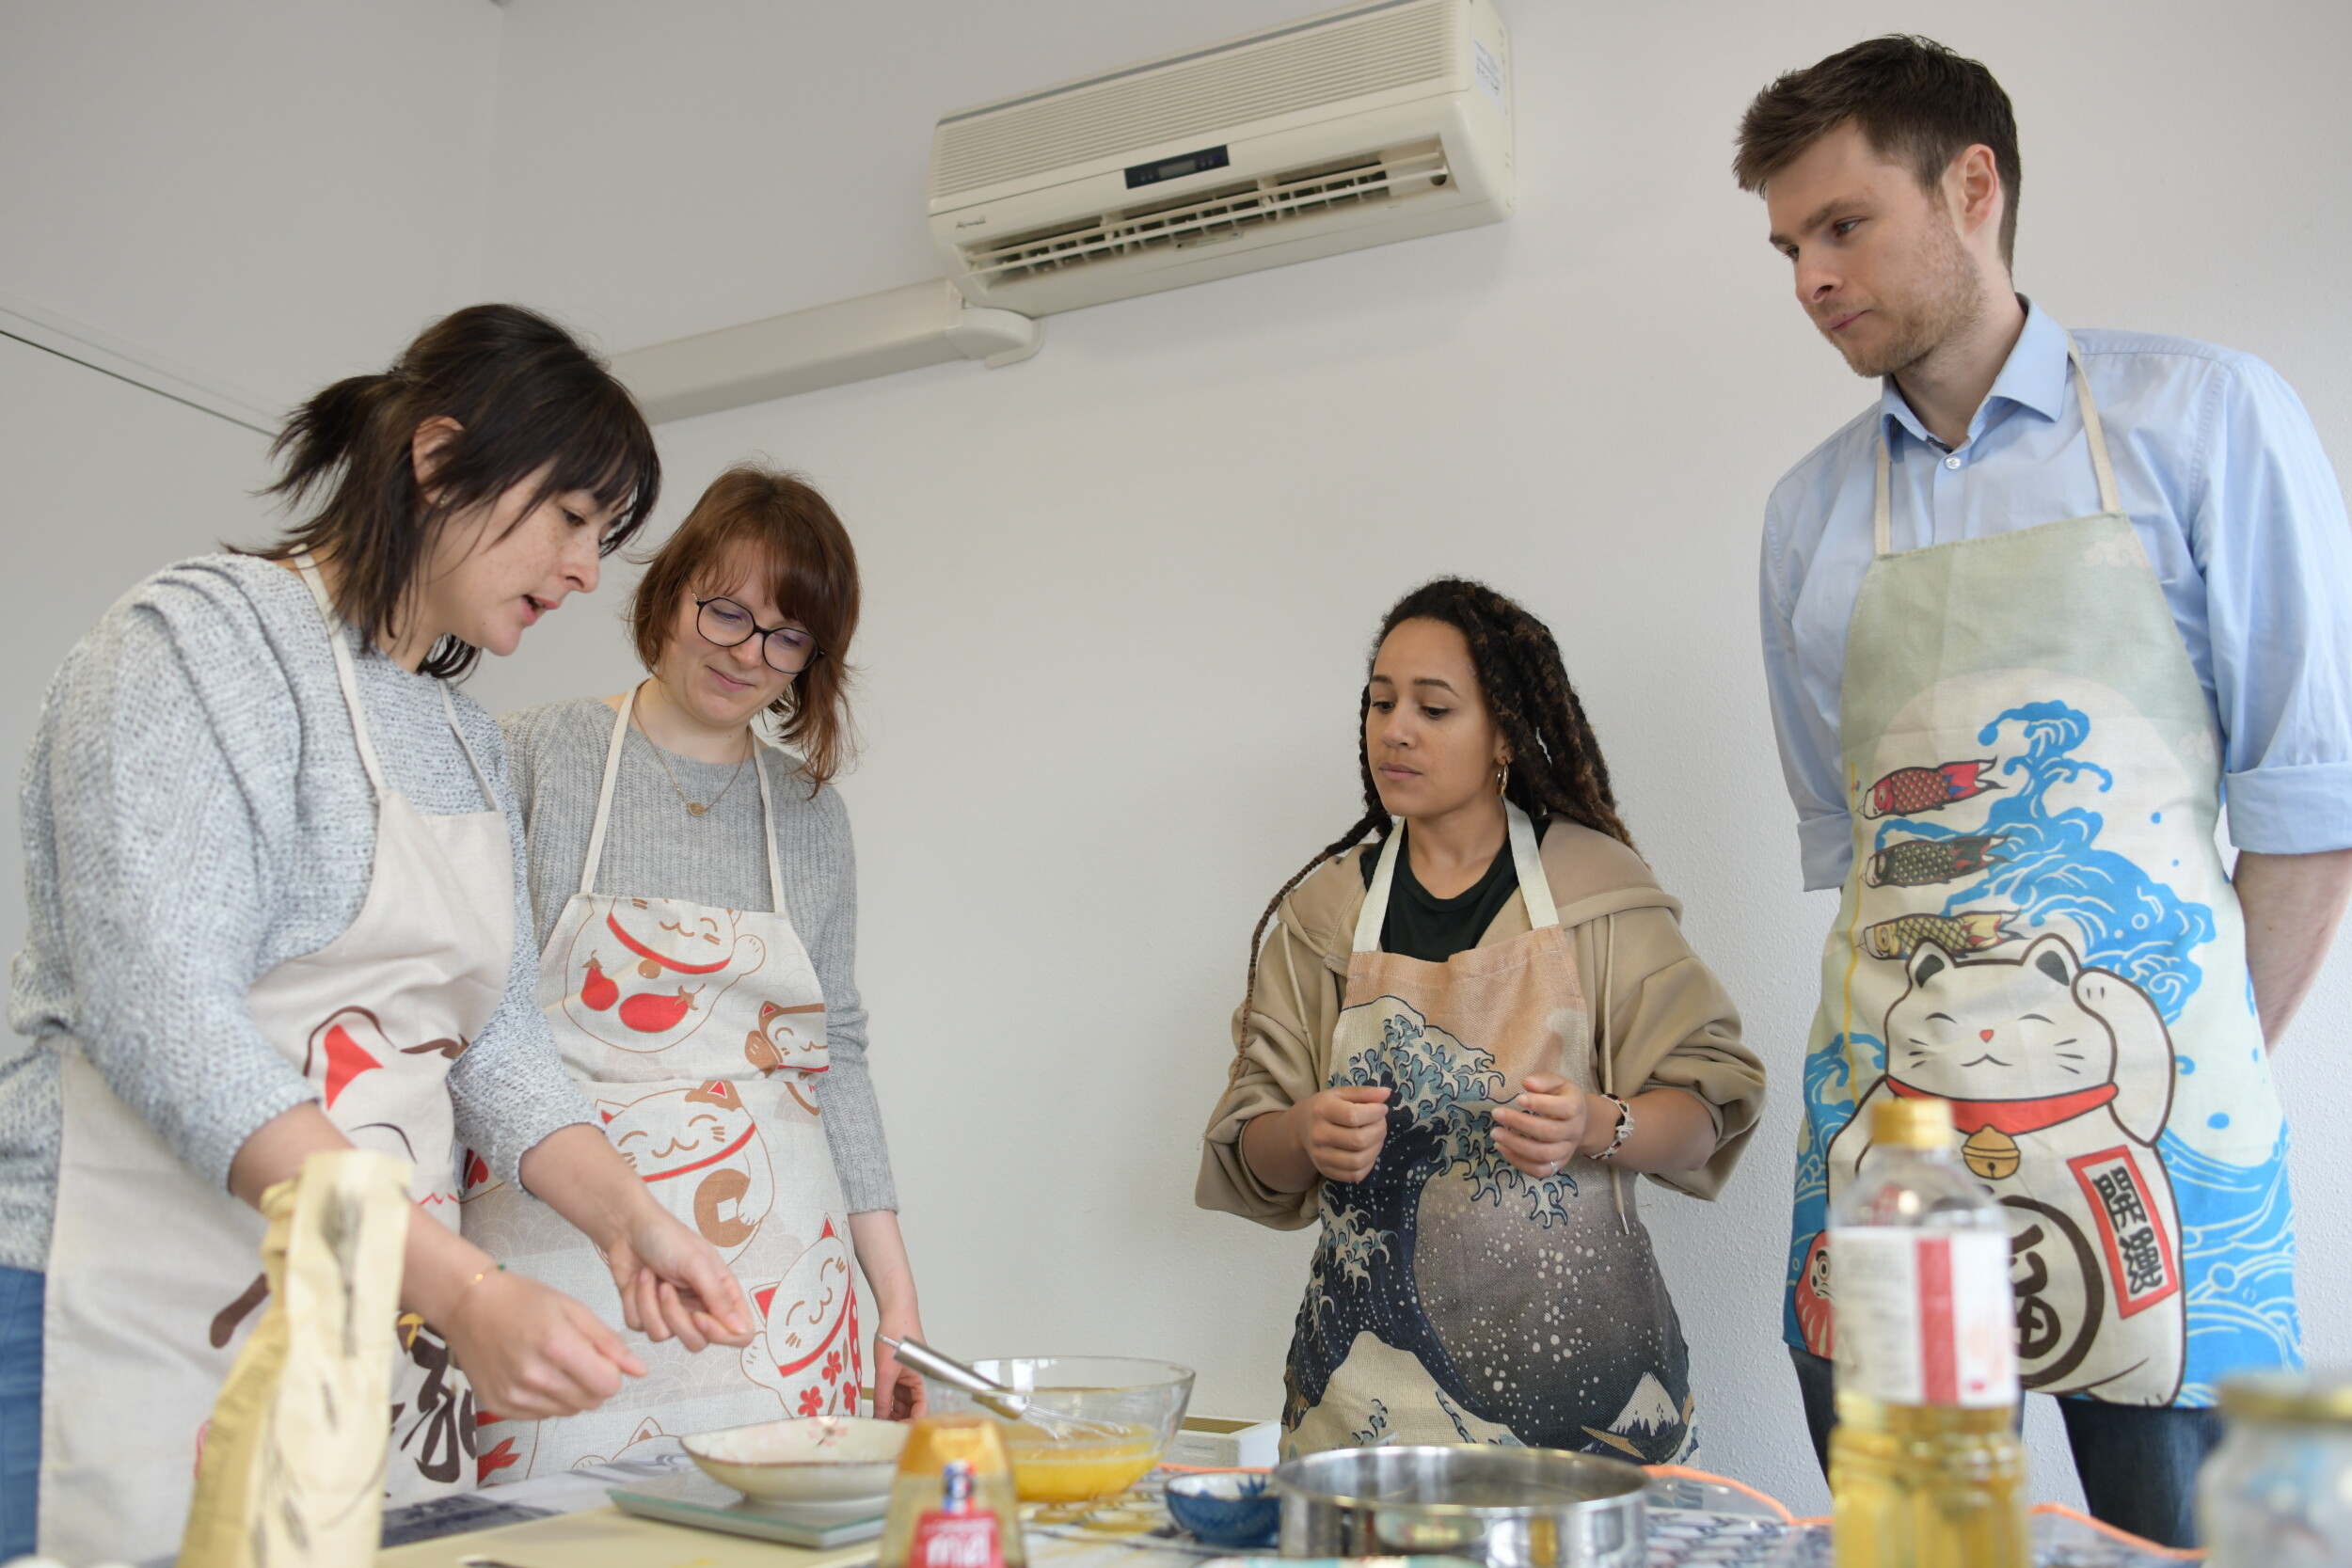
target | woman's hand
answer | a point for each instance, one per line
(882, 1255)
(532, 1351)
(898, 1394)
(673, 1283)
(1548, 1122)
(1343, 1130)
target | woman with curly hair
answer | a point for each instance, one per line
(1457, 1043)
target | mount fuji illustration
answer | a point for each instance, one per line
(1647, 1417)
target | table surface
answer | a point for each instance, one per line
(564, 1522)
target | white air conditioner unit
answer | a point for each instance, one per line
(1375, 123)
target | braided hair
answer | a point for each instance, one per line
(1556, 766)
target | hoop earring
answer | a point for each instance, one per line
(1503, 781)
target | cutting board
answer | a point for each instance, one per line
(606, 1538)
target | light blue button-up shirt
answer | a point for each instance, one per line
(2232, 496)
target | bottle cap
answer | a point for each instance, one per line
(2289, 1397)
(1908, 1123)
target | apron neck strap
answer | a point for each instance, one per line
(2110, 499)
(347, 675)
(308, 565)
(604, 794)
(1535, 887)
(604, 808)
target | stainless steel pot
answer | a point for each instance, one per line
(1506, 1508)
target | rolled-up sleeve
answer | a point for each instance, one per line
(2269, 533)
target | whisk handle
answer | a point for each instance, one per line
(993, 1396)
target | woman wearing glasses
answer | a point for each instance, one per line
(696, 909)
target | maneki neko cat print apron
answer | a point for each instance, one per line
(155, 1278)
(2039, 928)
(699, 1034)
(1453, 1299)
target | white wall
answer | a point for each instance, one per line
(276, 192)
(1119, 596)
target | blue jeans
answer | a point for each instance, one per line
(19, 1410)
(2138, 1466)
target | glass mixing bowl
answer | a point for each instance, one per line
(1138, 1403)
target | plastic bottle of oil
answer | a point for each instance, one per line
(1925, 1468)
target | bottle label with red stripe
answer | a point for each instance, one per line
(1923, 1317)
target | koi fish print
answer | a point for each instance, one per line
(1969, 931)
(1907, 791)
(1922, 862)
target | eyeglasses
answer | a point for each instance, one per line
(725, 623)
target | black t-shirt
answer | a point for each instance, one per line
(1421, 925)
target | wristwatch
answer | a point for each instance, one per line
(1625, 1128)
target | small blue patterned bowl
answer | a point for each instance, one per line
(1230, 1508)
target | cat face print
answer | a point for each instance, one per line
(700, 1152)
(2026, 1029)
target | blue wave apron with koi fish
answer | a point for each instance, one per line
(2038, 928)
(699, 1033)
(1453, 1299)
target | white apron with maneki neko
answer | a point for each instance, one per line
(2037, 927)
(155, 1278)
(698, 1033)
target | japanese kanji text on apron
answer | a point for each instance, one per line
(2039, 928)
(1453, 1299)
(699, 1034)
(155, 1278)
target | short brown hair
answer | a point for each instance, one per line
(526, 396)
(779, 520)
(1915, 101)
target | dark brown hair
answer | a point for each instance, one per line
(1917, 102)
(757, 517)
(1556, 766)
(525, 396)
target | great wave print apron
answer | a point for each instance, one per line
(1453, 1299)
(2039, 928)
(699, 1034)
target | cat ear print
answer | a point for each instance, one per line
(2054, 958)
(1928, 961)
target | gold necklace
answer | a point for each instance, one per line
(695, 808)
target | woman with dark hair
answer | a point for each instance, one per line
(698, 930)
(1457, 1043)
(275, 890)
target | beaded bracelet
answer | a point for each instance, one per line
(1625, 1128)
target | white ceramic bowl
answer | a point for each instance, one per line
(817, 1459)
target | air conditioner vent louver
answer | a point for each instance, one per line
(1208, 217)
(1376, 121)
(1199, 98)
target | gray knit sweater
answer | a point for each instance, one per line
(653, 849)
(195, 813)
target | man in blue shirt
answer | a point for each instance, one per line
(2024, 621)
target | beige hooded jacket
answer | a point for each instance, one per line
(1660, 1016)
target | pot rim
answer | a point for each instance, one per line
(1291, 1487)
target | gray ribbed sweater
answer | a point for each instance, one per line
(653, 849)
(193, 813)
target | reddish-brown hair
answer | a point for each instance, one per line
(760, 518)
(1915, 101)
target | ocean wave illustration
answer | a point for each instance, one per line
(2238, 1229)
(2127, 922)
(1829, 1104)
